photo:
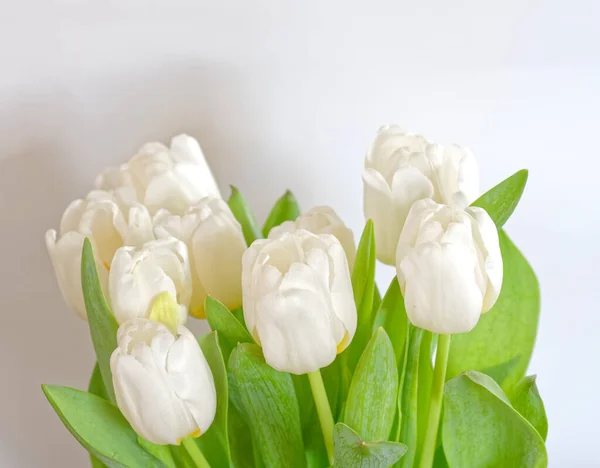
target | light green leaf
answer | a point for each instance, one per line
(102, 323)
(242, 212)
(351, 451)
(408, 398)
(424, 390)
(373, 393)
(96, 387)
(501, 200)
(507, 332)
(214, 444)
(267, 401)
(391, 316)
(526, 399)
(162, 452)
(480, 428)
(285, 209)
(231, 331)
(100, 427)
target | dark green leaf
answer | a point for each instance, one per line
(240, 441)
(102, 323)
(100, 427)
(480, 428)
(285, 209)
(267, 401)
(242, 212)
(214, 444)
(231, 331)
(408, 398)
(501, 200)
(373, 393)
(526, 399)
(351, 451)
(391, 316)
(507, 332)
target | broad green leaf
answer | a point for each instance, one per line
(332, 380)
(351, 451)
(373, 393)
(267, 401)
(162, 452)
(408, 398)
(231, 331)
(376, 298)
(242, 212)
(240, 441)
(96, 387)
(425, 381)
(501, 200)
(391, 316)
(285, 209)
(100, 427)
(102, 323)
(480, 428)
(526, 399)
(506, 333)
(214, 444)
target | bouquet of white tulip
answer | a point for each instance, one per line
(307, 365)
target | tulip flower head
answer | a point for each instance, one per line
(321, 220)
(449, 266)
(163, 384)
(298, 300)
(401, 168)
(215, 243)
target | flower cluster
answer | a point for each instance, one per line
(294, 296)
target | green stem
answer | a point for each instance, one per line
(323, 410)
(435, 404)
(192, 448)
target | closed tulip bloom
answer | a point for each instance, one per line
(172, 178)
(401, 168)
(449, 266)
(321, 220)
(140, 276)
(216, 244)
(298, 300)
(100, 218)
(163, 384)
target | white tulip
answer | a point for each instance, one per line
(298, 300)
(163, 384)
(216, 243)
(321, 220)
(99, 218)
(139, 276)
(172, 178)
(401, 168)
(449, 266)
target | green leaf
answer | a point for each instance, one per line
(501, 200)
(102, 323)
(480, 428)
(267, 401)
(373, 393)
(240, 441)
(507, 332)
(242, 212)
(285, 209)
(408, 398)
(526, 400)
(231, 331)
(391, 316)
(100, 427)
(424, 390)
(96, 387)
(214, 444)
(162, 452)
(351, 451)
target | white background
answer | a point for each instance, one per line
(289, 94)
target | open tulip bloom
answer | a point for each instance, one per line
(307, 364)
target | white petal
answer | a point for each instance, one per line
(139, 226)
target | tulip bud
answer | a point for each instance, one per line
(401, 168)
(172, 178)
(163, 384)
(216, 243)
(321, 220)
(98, 217)
(139, 277)
(449, 266)
(298, 300)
